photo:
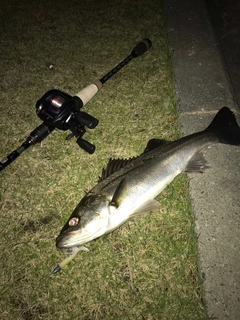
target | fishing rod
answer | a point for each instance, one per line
(59, 110)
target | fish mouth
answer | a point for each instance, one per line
(67, 242)
(69, 249)
(64, 243)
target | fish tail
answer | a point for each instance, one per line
(226, 127)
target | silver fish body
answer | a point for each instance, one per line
(128, 187)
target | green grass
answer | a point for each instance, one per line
(147, 269)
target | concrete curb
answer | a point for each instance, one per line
(202, 88)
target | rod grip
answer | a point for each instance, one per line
(88, 92)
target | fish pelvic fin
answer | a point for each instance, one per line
(226, 127)
(196, 164)
(147, 207)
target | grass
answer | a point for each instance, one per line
(147, 269)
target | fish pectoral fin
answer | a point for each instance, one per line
(196, 164)
(119, 194)
(147, 207)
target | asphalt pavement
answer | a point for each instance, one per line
(205, 47)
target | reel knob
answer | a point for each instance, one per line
(85, 145)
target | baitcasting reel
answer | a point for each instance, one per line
(59, 110)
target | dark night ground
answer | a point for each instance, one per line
(225, 17)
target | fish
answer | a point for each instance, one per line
(128, 187)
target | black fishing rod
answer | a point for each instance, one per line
(60, 110)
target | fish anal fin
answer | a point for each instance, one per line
(196, 164)
(147, 207)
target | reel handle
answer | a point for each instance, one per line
(86, 119)
(85, 145)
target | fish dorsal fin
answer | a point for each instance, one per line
(154, 143)
(196, 164)
(117, 164)
(113, 166)
(119, 194)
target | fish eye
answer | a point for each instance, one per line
(73, 222)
